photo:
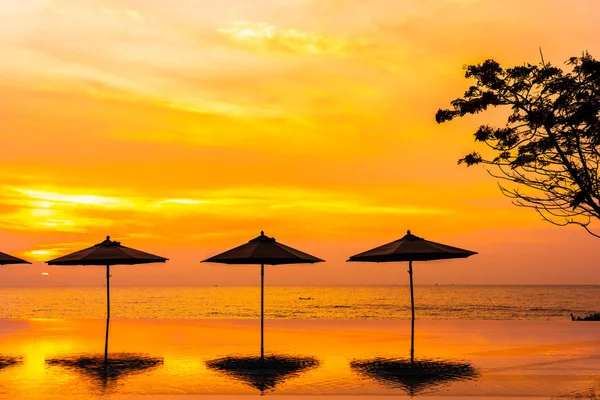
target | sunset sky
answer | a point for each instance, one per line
(184, 128)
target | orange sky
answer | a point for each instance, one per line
(184, 128)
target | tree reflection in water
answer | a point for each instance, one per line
(264, 374)
(592, 393)
(414, 377)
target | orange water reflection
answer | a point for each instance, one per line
(512, 358)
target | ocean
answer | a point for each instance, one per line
(304, 302)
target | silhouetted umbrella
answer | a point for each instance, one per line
(263, 250)
(107, 253)
(6, 259)
(411, 248)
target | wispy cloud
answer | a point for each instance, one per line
(45, 252)
(260, 36)
(51, 198)
(186, 202)
(125, 12)
(70, 211)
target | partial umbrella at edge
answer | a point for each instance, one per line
(263, 250)
(6, 259)
(411, 248)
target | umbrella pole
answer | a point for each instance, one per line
(262, 312)
(108, 292)
(106, 344)
(107, 313)
(412, 320)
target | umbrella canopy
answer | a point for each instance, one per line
(263, 250)
(411, 248)
(6, 259)
(107, 253)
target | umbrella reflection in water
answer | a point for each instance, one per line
(104, 372)
(9, 361)
(263, 374)
(415, 377)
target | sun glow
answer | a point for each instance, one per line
(43, 254)
(40, 252)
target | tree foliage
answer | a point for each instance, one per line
(549, 146)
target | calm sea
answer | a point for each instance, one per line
(311, 302)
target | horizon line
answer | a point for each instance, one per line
(308, 285)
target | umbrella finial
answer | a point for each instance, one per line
(408, 232)
(262, 233)
(107, 237)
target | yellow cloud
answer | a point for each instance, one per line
(126, 12)
(264, 37)
(229, 109)
(315, 200)
(68, 210)
(41, 254)
(46, 252)
(40, 210)
(77, 199)
(36, 220)
(354, 207)
(191, 202)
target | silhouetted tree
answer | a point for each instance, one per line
(551, 141)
